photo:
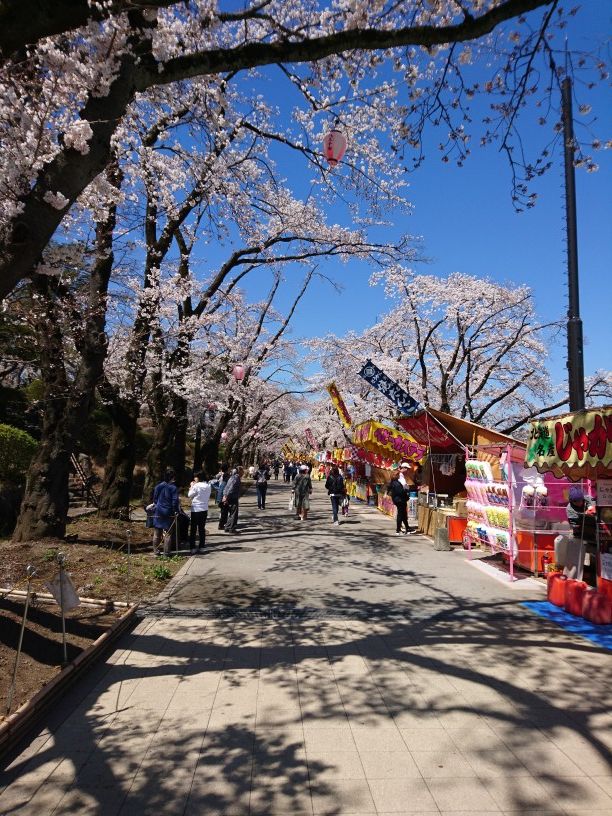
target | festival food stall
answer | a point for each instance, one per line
(577, 449)
(379, 448)
(446, 495)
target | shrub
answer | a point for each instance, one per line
(16, 451)
(11, 496)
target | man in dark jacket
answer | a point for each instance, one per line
(336, 490)
(262, 474)
(231, 496)
(399, 496)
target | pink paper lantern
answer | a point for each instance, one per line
(224, 436)
(334, 146)
(238, 373)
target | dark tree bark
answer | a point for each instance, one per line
(120, 460)
(121, 457)
(157, 457)
(169, 444)
(211, 449)
(45, 503)
(197, 450)
(24, 22)
(178, 453)
(66, 404)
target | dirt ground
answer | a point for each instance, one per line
(99, 567)
(42, 653)
(97, 561)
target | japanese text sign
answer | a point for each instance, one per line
(604, 492)
(310, 438)
(392, 441)
(390, 389)
(578, 446)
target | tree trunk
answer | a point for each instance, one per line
(210, 456)
(197, 450)
(120, 462)
(67, 405)
(168, 448)
(44, 508)
(157, 458)
(177, 450)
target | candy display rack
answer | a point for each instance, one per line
(490, 505)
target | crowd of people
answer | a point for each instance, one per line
(170, 523)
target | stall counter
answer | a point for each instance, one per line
(532, 545)
(431, 518)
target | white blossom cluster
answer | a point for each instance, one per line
(384, 100)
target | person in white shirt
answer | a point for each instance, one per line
(199, 493)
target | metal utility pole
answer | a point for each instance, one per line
(575, 350)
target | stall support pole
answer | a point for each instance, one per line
(61, 559)
(128, 534)
(468, 537)
(510, 509)
(575, 351)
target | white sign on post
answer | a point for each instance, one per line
(606, 566)
(604, 492)
(67, 593)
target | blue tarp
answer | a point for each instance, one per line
(601, 635)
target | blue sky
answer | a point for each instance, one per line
(468, 224)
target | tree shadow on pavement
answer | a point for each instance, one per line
(216, 720)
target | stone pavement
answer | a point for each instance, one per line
(302, 668)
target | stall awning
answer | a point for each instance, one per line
(356, 454)
(576, 446)
(442, 430)
(387, 442)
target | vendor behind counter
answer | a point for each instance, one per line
(581, 515)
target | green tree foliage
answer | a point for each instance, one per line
(16, 451)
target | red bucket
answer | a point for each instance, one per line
(574, 596)
(597, 608)
(604, 586)
(555, 588)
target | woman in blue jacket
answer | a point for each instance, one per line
(166, 500)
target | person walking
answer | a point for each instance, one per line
(219, 485)
(262, 474)
(276, 469)
(301, 491)
(398, 490)
(231, 497)
(334, 485)
(167, 507)
(199, 493)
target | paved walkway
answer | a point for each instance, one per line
(330, 670)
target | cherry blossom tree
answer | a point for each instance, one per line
(175, 185)
(460, 344)
(71, 75)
